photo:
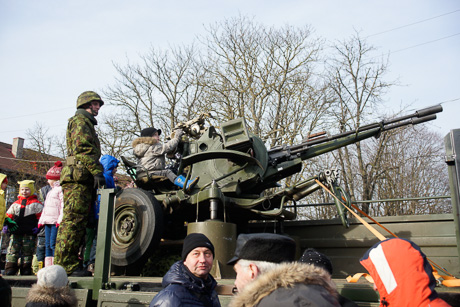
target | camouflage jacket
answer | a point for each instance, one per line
(83, 145)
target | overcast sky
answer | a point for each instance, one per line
(51, 51)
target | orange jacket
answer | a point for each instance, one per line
(401, 274)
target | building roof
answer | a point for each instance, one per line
(32, 162)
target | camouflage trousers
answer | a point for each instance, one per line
(71, 232)
(21, 245)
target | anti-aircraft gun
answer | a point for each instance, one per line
(235, 172)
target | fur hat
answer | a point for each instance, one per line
(28, 184)
(312, 256)
(193, 241)
(150, 131)
(52, 276)
(54, 173)
(267, 247)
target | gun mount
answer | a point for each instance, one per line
(237, 180)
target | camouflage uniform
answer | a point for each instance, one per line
(77, 181)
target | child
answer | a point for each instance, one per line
(25, 212)
(52, 211)
(4, 184)
(151, 154)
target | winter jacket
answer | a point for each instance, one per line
(26, 213)
(109, 163)
(289, 284)
(402, 274)
(83, 150)
(182, 288)
(151, 153)
(2, 201)
(39, 296)
(54, 204)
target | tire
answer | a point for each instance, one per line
(137, 228)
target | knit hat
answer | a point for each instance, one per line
(312, 256)
(267, 247)
(193, 241)
(52, 276)
(150, 131)
(54, 173)
(28, 184)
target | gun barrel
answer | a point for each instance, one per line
(288, 152)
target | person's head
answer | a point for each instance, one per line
(4, 181)
(151, 132)
(257, 253)
(54, 173)
(312, 256)
(90, 101)
(109, 163)
(5, 293)
(53, 276)
(198, 254)
(26, 188)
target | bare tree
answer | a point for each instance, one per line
(357, 80)
(267, 76)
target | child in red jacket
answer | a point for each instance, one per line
(25, 212)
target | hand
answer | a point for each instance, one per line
(12, 226)
(179, 133)
(5, 229)
(39, 226)
(99, 181)
(57, 225)
(35, 230)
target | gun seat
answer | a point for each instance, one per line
(141, 176)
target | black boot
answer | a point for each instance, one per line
(26, 269)
(11, 268)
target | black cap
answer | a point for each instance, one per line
(312, 256)
(193, 241)
(267, 247)
(150, 131)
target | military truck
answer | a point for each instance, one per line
(236, 175)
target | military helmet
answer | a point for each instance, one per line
(88, 96)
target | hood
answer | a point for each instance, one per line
(109, 162)
(401, 273)
(286, 275)
(52, 296)
(179, 274)
(2, 177)
(144, 140)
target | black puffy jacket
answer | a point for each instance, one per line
(182, 288)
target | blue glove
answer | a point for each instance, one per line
(35, 230)
(5, 229)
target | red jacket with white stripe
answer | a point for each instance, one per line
(26, 213)
(402, 274)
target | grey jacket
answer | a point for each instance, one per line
(290, 284)
(151, 153)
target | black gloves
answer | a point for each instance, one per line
(99, 181)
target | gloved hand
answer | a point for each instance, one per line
(40, 226)
(35, 230)
(12, 226)
(5, 229)
(57, 224)
(178, 133)
(99, 181)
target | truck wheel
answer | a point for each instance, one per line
(137, 228)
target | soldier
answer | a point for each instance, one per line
(80, 179)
